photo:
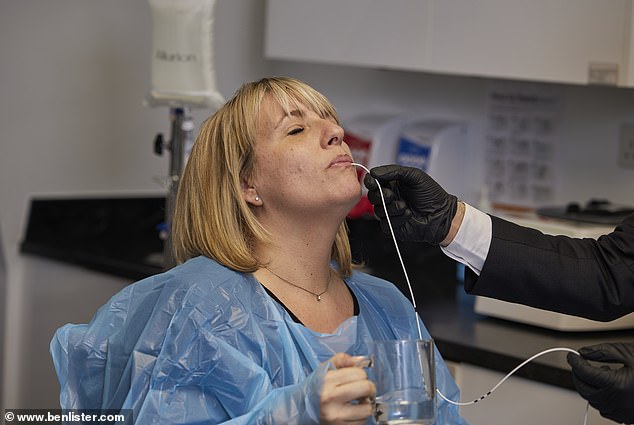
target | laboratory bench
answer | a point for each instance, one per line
(117, 235)
(464, 336)
(120, 236)
(480, 351)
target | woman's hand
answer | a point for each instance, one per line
(346, 393)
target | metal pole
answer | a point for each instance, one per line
(180, 145)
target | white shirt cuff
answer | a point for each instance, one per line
(472, 242)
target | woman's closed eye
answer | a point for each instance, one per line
(295, 130)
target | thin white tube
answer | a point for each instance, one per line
(495, 387)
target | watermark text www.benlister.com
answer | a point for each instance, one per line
(101, 417)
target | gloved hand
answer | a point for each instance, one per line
(609, 390)
(419, 208)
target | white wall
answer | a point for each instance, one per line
(73, 74)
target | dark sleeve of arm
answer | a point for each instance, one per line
(582, 277)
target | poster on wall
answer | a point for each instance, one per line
(521, 139)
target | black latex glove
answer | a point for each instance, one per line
(609, 390)
(419, 208)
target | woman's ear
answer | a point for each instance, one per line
(250, 195)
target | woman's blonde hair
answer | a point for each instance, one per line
(211, 217)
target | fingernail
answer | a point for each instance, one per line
(362, 361)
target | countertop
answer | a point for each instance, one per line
(120, 236)
(114, 235)
(463, 335)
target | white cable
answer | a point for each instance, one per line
(411, 292)
(488, 393)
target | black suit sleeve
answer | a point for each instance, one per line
(581, 277)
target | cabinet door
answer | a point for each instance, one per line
(575, 41)
(376, 33)
(572, 41)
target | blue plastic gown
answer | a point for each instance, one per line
(204, 344)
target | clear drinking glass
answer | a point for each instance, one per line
(404, 374)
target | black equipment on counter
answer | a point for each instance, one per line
(597, 211)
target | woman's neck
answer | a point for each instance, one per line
(296, 268)
(302, 256)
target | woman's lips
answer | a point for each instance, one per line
(341, 161)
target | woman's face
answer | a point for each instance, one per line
(302, 163)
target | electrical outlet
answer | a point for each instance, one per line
(626, 146)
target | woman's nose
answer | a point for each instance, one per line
(334, 135)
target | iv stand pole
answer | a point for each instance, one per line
(181, 133)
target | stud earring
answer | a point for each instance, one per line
(257, 198)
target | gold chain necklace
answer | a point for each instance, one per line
(315, 294)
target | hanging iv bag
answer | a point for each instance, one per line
(182, 54)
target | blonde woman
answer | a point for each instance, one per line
(263, 319)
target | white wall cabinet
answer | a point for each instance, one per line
(567, 41)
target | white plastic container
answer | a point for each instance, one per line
(368, 135)
(438, 147)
